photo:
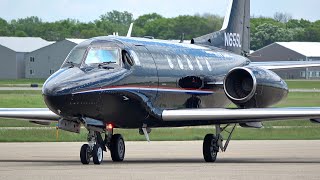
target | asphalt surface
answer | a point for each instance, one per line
(164, 160)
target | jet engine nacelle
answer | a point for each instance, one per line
(254, 87)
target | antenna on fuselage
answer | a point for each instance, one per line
(130, 30)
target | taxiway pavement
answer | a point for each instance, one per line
(164, 160)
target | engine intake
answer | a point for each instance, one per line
(240, 85)
(254, 87)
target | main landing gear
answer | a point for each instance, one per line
(213, 143)
(96, 146)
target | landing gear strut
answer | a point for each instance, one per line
(96, 145)
(213, 143)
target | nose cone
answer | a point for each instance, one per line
(61, 82)
(57, 88)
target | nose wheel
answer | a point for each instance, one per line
(85, 154)
(93, 149)
(96, 145)
(97, 154)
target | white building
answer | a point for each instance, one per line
(12, 54)
(291, 51)
(47, 60)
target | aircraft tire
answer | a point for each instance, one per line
(85, 154)
(117, 148)
(97, 154)
(210, 148)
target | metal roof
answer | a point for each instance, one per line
(308, 49)
(76, 41)
(24, 44)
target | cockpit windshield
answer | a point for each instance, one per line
(102, 55)
(76, 56)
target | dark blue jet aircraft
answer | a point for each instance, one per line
(139, 83)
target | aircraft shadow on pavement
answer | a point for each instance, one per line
(174, 161)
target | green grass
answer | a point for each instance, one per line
(21, 81)
(298, 99)
(21, 99)
(33, 99)
(303, 84)
(300, 129)
(165, 134)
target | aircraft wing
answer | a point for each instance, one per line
(29, 114)
(274, 65)
(229, 116)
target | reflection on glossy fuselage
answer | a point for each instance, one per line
(129, 94)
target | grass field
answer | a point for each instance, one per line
(166, 134)
(21, 99)
(22, 81)
(303, 84)
(300, 129)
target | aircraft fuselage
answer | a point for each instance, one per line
(156, 75)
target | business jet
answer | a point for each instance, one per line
(142, 83)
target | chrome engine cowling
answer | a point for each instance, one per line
(254, 87)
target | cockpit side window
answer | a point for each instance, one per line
(102, 55)
(126, 59)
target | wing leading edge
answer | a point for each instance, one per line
(227, 116)
(33, 114)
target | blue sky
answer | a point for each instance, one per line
(89, 10)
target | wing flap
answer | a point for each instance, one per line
(33, 114)
(223, 116)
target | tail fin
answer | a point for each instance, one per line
(235, 33)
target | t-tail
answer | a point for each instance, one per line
(235, 33)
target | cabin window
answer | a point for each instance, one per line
(180, 63)
(189, 63)
(199, 64)
(102, 55)
(170, 62)
(208, 65)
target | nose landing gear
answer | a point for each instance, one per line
(96, 145)
(93, 149)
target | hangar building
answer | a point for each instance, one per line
(43, 62)
(12, 54)
(291, 51)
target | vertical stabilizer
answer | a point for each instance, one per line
(235, 33)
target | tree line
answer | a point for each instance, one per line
(264, 30)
